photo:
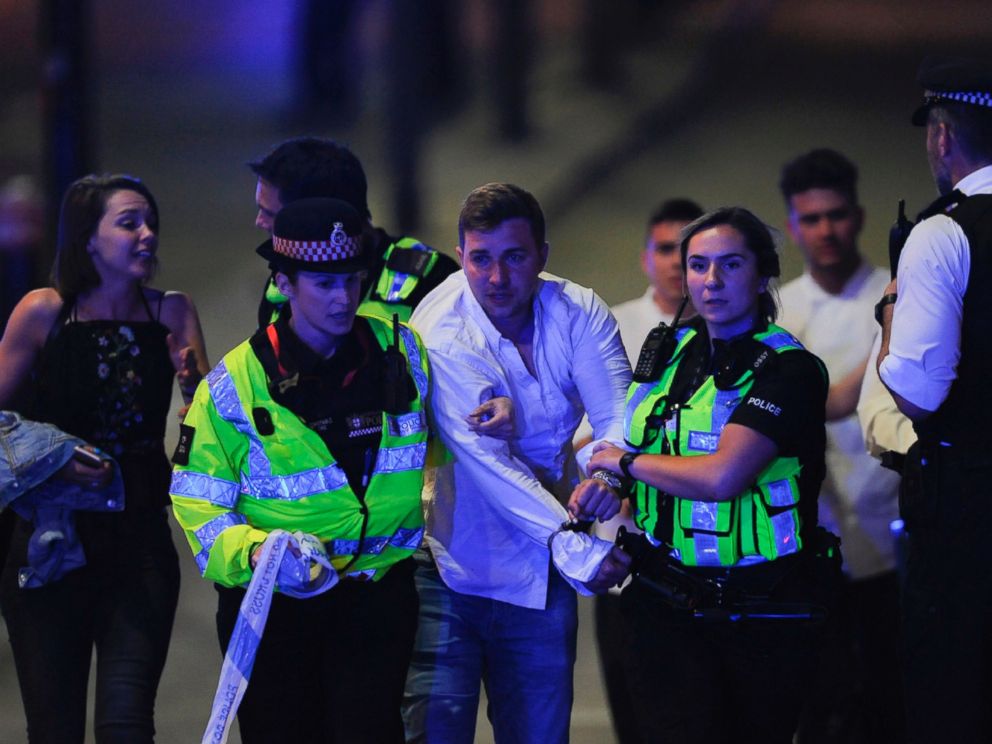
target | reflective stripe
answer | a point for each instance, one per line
(396, 459)
(636, 398)
(413, 354)
(723, 405)
(395, 293)
(784, 530)
(205, 487)
(780, 493)
(228, 404)
(405, 538)
(296, 485)
(208, 532)
(201, 559)
(704, 515)
(707, 549)
(407, 424)
(779, 339)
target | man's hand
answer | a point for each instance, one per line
(494, 418)
(612, 571)
(593, 499)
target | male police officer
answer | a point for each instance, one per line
(402, 271)
(936, 363)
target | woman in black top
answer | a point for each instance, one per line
(96, 355)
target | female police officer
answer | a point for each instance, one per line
(315, 425)
(730, 438)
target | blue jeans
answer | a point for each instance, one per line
(524, 656)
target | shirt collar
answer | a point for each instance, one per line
(976, 181)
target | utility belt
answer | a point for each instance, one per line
(761, 591)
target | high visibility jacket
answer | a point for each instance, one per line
(238, 483)
(394, 286)
(762, 523)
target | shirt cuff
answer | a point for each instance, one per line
(577, 557)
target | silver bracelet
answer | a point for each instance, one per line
(609, 478)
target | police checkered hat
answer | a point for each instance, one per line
(953, 80)
(323, 235)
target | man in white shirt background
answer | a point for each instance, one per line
(829, 309)
(497, 595)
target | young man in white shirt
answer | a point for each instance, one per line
(829, 309)
(498, 595)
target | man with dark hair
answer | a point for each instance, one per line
(497, 588)
(829, 309)
(935, 361)
(404, 270)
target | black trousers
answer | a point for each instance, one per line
(122, 602)
(330, 669)
(947, 599)
(857, 697)
(612, 640)
(716, 682)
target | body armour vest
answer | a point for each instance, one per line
(962, 418)
(762, 523)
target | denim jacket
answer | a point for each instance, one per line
(30, 453)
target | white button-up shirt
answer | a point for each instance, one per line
(925, 344)
(492, 509)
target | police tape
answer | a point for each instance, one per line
(305, 572)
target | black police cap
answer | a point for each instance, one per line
(322, 235)
(953, 79)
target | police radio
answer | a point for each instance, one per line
(396, 380)
(898, 234)
(657, 349)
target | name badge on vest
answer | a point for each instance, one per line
(703, 441)
(363, 424)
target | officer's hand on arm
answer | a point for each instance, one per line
(494, 418)
(612, 571)
(606, 456)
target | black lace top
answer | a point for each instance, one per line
(110, 382)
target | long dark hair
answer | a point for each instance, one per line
(757, 237)
(83, 206)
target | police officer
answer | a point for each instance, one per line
(315, 424)
(935, 361)
(729, 426)
(402, 270)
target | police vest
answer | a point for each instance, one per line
(252, 466)
(962, 419)
(761, 524)
(407, 262)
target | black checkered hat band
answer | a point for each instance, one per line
(317, 251)
(979, 99)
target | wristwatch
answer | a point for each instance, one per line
(625, 461)
(888, 299)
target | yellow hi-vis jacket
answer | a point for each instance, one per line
(239, 484)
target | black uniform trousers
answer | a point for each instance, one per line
(717, 681)
(947, 600)
(330, 669)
